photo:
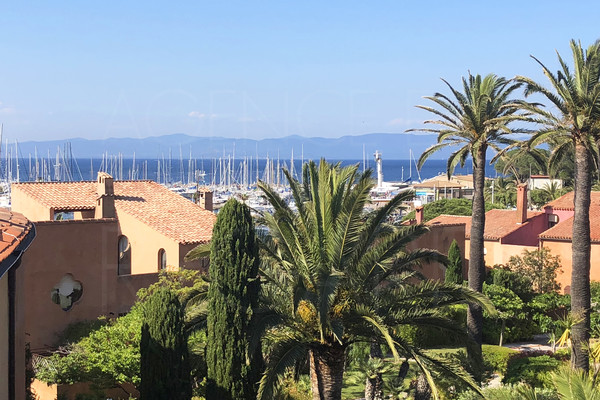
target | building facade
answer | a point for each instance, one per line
(98, 244)
(17, 233)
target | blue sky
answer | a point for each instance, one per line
(98, 69)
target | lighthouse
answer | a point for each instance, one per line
(379, 169)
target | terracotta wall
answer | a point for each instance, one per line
(563, 250)
(88, 251)
(44, 391)
(528, 235)
(440, 238)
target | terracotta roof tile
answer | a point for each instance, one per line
(565, 202)
(61, 195)
(153, 204)
(498, 223)
(14, 227)
(564, 229)
(452, 220)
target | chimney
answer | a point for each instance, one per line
(105, 200)
(521, 203)
(419, 215)
(205, 199)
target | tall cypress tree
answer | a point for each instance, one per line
(454, 271)
(232, 296)
(164, 366)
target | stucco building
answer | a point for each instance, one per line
(98, 243)
(17, 233)
(558, 238)
(508, 232)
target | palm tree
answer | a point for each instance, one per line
(502, 190)
(575, 125)
(475, 120)
(576, 385)
(335, 275)
(552, 190)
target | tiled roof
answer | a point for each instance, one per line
(147, 201)
(61, 195)
(565, 202)
(498, 223)
(564, 229)
(14, 227)
(452, 220)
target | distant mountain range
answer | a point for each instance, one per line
(392, 147)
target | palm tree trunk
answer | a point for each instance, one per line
(580, 274)
(374, 385)
(477, 264)
(327, 371)
(422, 389)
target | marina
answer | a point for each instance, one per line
(225, 176)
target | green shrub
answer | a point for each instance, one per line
(511, 392)
(534, 371)
(495, 358)
(547, 309)
(517, 283)
(512, 310)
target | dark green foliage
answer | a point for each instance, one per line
(29, 374)
(110, 353)
(595, 314)
(512, 315)
(164, 365)
(534, 371)
(541, 197)
(430, 336)
(76, 331)
(521, 165)
(232, 296)
(540, 266)
(548, 309)
(520, 284)
(504, 191)
(454, 271)
(512, 392)
(107, 356)
(495, 358)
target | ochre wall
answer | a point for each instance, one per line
(86, 249)
(440, 238)
(30, 208)
(498, 253)
(563, 250)
(145, 244)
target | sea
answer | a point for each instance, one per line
(211, 171)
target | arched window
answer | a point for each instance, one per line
(162, 259)
(124, 267)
